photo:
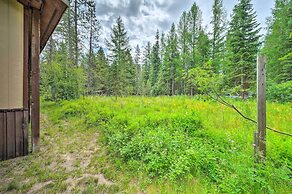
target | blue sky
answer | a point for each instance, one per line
(143, 17)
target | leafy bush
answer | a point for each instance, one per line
(280, 92)
(61, 83)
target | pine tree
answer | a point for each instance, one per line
(138, 73)
(92, 34)
(121, 63)
(174, 60)
(154, 61)
(146, 69)
(63, 79)
(162, 46)
(278, 43)
(128, 74)
(101, 73)
(76, 38)
(203, 48)
(242, 48)
(168, 73)
(218, 35)
(161, 87)
(184, 47)
(73, 33)
(195, 25)
(50, 50)
(58, 82)
(65, 30)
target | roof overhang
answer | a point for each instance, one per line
(37, 4)
(51, 13)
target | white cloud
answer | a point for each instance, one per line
(143, 17)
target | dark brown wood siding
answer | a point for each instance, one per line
(13, 133)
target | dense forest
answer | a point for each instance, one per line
(187, 60)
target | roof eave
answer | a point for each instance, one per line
(51, 14)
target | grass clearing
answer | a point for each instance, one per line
(152, 145)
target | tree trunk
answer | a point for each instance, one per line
(76, 32)
(51, 50)
(69, 35)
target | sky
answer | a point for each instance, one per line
(142, 18)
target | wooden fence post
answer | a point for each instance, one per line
(260, 135)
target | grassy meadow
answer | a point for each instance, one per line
(153, 145)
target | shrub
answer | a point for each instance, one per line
(280, 92)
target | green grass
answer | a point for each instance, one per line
(155, 145)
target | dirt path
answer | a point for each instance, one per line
(67, 163)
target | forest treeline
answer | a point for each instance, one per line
(187, 60)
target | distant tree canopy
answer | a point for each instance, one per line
(187, 60)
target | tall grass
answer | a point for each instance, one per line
(178, 140)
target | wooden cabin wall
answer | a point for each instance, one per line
(13, 133)
(11, 54)
(24, 31)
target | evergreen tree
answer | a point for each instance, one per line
(174, 59)
(184, 47)
(128, 74)
(138, 73)
(58, 82)
(162, 46)
(92, 34)
(121, 63)
(203, 48)
(76, 38)
(218, 33)
(176, 63)
(73, 18)
(162, 85)
(50, 51)
(146, 69)
(169, 70)
(154, 62)
(195, 25)
(278, 43)
(63, 79)
(242, 48)
(101, 73)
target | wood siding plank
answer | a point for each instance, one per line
(2, 136)
(19, 133)
(25, 132)
(10, 135)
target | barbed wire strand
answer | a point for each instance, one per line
(222, 101)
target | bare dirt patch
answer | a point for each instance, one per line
(69, 162)
(100, 179)
(103, 181)
(66, 155)
(39, 186)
